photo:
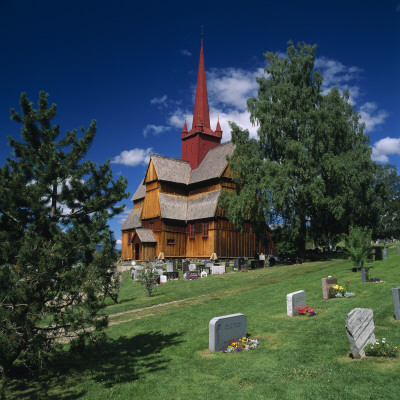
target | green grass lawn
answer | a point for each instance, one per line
(161, 352)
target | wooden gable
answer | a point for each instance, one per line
(151, 173)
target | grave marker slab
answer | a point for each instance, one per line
(170, 267)
(217, 269)
(360, 330)
(396, 302)
(192, 267)
(222, 330)
(295, 300)
(326, 290)
(163, 279)
(185, 265)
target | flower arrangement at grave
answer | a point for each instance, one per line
(242, 344)
(375, 280)
(342, 291)
(381, 349)
(306, 311)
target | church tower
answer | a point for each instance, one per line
(200, 139)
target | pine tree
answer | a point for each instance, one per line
(57, 260)
(309, 172)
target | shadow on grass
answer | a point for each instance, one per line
(127, 359)
(113, 362)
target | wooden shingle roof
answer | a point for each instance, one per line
(140, 192)
(133, 220)
(203, 205)
(173, 207)
(146, 235)
(171, 169)
(213, 164)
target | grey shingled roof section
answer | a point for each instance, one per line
(171, 169)
(213, 163)
(146, 235)
(140, 192)
(173, 207)
(133, 220)
(203, 205)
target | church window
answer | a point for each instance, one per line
(205, 229)
(171, 241)
(191, 231)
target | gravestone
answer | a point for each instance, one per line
(396, 302)
(363, 275)
(217, 269)
(227, 264)
(243, 263)
(295, 300)
(222, 330)
(360, 330)
(159, 271)
(163, 279)
(398, 250)
(203, 274)
(327, 292)
(178, 263)
(170, 267)
(192, 267)
(385, 254)
(378, 253)
(185, 266)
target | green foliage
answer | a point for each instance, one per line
(147, 277)
(57, 259)
(387, 190)
(381, 349)
(308, 175)
(358, 244)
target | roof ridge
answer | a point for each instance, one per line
(170, 158)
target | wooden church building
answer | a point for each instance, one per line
(175, 208)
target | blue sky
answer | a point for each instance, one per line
(132, 66)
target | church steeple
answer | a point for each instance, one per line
(201, 138)
(201, 115)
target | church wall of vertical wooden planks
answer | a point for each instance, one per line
(175, 208)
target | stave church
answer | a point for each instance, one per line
(175, 208)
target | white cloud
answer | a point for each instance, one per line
(119, 242)
(155, 129)
(385, 146)
(371, 116)
(231, 87)
(133, 157)
(160, 101)
(186, 52)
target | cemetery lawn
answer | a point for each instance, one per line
(161, 352)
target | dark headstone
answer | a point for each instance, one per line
(396, 302)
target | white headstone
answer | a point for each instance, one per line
(360, 330)
(192, 267)
(203, 274)
(295, 300)
(170, 267)
(396, 302)
(217, 269)
(224, 329)
(163, 279)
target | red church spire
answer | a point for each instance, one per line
(201, 138)
(201, 115)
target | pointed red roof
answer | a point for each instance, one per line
(184, 130)
(201, 115)
(218, 128)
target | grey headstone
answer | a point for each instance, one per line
(170, 267)
(363, 275)
(385, 254)
(295, 300)
(398, 250)
(217, 269)
(224, 329)
(396, 302)
(185, 265)
(360, 330)
(326, 290)
(192, 267)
